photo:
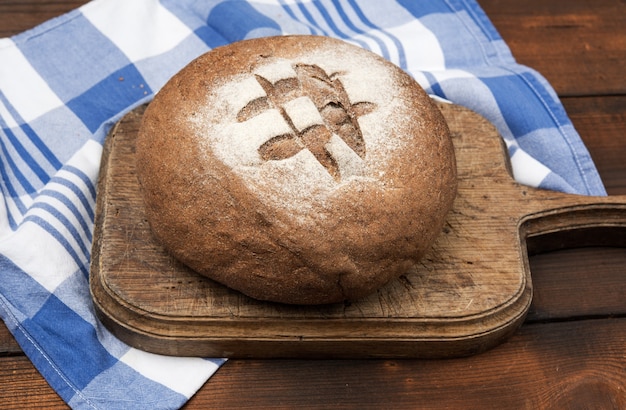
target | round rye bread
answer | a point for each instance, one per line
(295, 169)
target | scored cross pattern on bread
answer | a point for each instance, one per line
(316, 108)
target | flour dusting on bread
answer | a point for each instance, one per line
(296, 181)
(295, 169)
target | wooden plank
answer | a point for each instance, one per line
(580, 49)
(17, 16)
(601, 123)
(558, 365)
(578, 283)
(24, 388)
(8, 344)
(573, 364)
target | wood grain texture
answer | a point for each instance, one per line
(578, 283)
(19, 15)
(573, 365)
(460, 300)
(24, 388)
(467, 294)
(8, 345)
(562, 366)
(579, 46)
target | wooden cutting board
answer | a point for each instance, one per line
(468, 294)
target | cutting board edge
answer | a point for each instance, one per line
(129, 325)
(418, 346)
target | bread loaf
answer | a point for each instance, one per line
(295, 169)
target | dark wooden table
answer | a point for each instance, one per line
(570, 352)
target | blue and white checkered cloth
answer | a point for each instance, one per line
(64, 83)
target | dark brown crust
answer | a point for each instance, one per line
(362, 237)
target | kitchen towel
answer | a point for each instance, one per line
(64, 83)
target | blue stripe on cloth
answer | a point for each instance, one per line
(63, 241)
(27, 158)
(234, 20)
(335, 31)
(64, 137)
(172, 61)
(310, 20)
(24, 293)
(195, 17)
(210, 37)
(38, 354)
(28, 131)
(72, 330)
(554, 181)
(420, 9)
(43, 149)
(434, 86)
(527, 111)
(479, 17)
(80, 195)
(71, 57)
(84, 178)
(119, 90)
(56, 347)
(293, 11)
(286, 6)
(13, 224)
(121, 377)
(73, 356)
(473, 41)
(368, 23)
(67, 224)
(67, 202)
(13, 172)
(553, 140)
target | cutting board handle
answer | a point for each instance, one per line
(559, 221)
